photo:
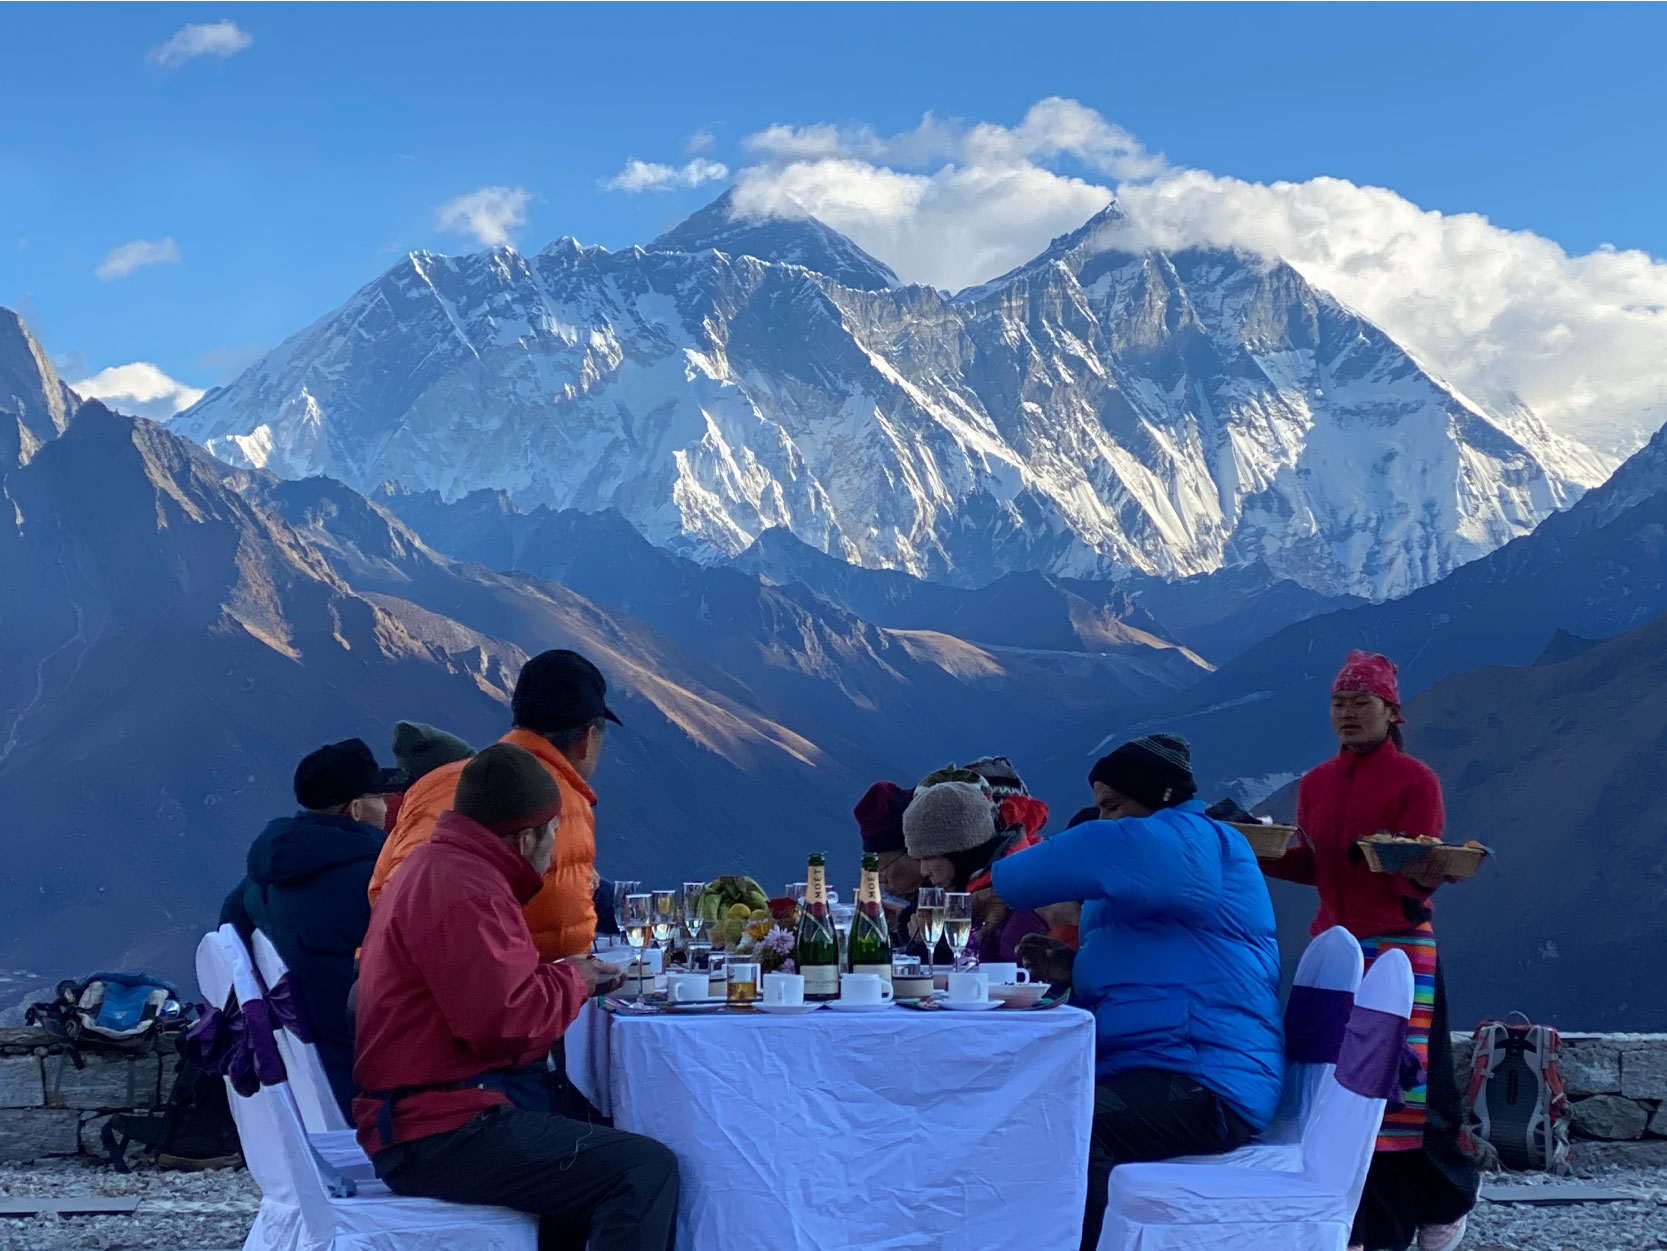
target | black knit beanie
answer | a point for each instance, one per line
(1155, 771)
(507, 790)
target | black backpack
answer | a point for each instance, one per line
(193, 1130)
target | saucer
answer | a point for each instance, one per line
(693, 1006)
(840, 1006)
(970, 1005)
(786, 1009)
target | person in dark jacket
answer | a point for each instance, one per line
(457, 1015)
(879, 815)
(305, 890)
(1178, 963)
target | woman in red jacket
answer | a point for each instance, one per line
(1422, 1183)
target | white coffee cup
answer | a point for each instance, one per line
(687, 987)
(969, 987)
(1004, 974)
(784, 990)
(864, 988)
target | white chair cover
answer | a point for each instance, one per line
(1200, 1206)
(298, 1212)
(307, 1080)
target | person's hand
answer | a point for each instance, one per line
(917, 928)
(987, 909)
(600, 977)
(1061, 914)
(1047, 959)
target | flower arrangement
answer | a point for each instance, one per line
(774, 950)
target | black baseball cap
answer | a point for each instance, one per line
(557, 691)
(340, 773)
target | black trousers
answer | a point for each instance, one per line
(587, 1184)
(1432, 1186)
(1151, 1114)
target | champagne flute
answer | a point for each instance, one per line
(692, 891)
(664, 916)
(957, 922)
(929, 905)
(639, 919)
(622, 889)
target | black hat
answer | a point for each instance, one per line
(1155, 771)
(339, 774)
(507, 790)
(557, 691)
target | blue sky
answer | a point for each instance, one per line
(297, 157)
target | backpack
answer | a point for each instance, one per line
(1516, 1111)
(116, 1011)
(193, 1130)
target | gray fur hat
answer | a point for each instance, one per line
(949, 817)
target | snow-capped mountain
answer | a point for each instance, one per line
(1092, 413)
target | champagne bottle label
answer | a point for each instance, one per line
(821, 980)
(816, 941)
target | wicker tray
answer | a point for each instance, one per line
(1267, 841)
(1457, 863)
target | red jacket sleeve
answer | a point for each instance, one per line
(497, 998)
(1422, 816)
(1297, 864)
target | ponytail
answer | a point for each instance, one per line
(1396, 737)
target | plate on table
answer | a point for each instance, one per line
(693, 1007)
(1019, 994)
(971, 1005)
(924, 1004)
(837, 1006)
(787, 1009)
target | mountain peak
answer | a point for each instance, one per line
(30, 392)
(799, 239)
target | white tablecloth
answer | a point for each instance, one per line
(894, 1129)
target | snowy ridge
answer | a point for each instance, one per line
(1092, 413)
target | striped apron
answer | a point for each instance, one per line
(1403, 1127)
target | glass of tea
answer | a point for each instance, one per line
(743, 983)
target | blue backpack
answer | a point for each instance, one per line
(119, 1011)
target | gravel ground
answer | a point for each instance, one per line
(212, 1211)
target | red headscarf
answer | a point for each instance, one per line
(1374, 674)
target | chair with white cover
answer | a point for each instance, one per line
(1209, 1206)
(307, 1079)
(1316, 1015)
(298, 1210)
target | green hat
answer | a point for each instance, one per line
(421, 749)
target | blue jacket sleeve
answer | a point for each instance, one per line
(1143, 868)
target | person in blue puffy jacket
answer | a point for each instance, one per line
(1178, 962)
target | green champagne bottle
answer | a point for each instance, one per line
(817, 941)
(869, 947)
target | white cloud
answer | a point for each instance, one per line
(1503, 314)
(488, 214)
(123, 260)
(221, 39)
(140, 389)
(646, 176)
(700, 141)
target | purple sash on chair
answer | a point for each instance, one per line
(1376, 1062)
(1315, 1021)
(287, 1010)
(237, 1044)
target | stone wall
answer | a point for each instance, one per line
(1616, 1083)
(50, 1107)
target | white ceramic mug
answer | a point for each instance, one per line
(864, 988)
(969, 987)
(1004, 974)
(784, 990)
(687, 987)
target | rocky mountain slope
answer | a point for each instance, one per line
(193, 627)
(1092, 414)
(1594, 571)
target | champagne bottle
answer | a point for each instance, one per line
(817, 941)
(869, 947)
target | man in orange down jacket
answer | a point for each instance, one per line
(559, 714)
(457, 1017)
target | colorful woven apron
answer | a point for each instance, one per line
(1403, 1127)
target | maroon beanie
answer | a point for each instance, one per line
(507, 790)
(879, 815)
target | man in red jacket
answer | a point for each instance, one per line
(455, 1019)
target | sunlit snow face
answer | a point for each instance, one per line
(1360, 720)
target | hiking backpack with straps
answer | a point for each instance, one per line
(193, 1130)
(1516, 1111)
(116, 1011)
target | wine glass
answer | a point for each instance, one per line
(929, 906)
(957, 922)
(639, 919)
(663, 916)
(622, 889)
(692, 892)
